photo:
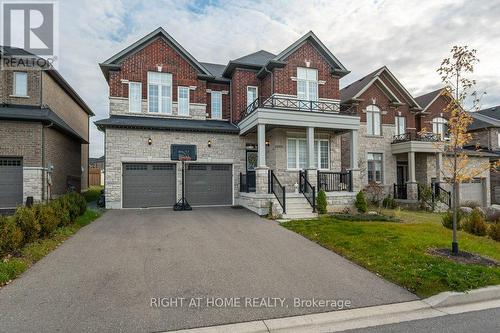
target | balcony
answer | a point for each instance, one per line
(284, 111)
(427, 142)
(288, 103)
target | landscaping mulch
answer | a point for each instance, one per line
(464, 257)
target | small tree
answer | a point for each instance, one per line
(321, 202)
(454, 72)
(360, 203)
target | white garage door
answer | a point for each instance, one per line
(472, 191)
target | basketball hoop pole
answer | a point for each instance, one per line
(182, 204)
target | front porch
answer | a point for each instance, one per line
(297, 153)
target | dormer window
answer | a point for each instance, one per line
(21, 84)
(159, 92)
(307, 84)
(440, 127)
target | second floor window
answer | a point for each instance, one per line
(252, 93)
(216, 104)
(375, 169)
(159, 92)
(400, 125)
(20, 84)
(373, 120)
(134, 97)
(183, 101)
(440, 127)
(307, 84)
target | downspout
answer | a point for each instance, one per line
(45, 170)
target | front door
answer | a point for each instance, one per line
(251, 165)
(401, 179)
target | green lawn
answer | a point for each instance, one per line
(397, 251)
(31, 253)
(92, 193)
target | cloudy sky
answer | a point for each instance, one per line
(410, 38)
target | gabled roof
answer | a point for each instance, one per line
(115, 61)
(216, 70)
(485, 118)
(355, 89)
(259, 58)
(427, 99)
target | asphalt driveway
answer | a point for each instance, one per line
(104, 277)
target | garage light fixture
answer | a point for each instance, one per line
(267, 143)
(209, 143)
(150, 141)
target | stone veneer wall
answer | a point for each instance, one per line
(32, 183)
(129, 145)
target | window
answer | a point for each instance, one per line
(400, 125)
(183, 101)
(20, 84)
(375, 167)
(216, 104)
(297, 153)
(134, 97)
(159, 92)
(440, 127)
(252, 93)
(307, 84)
(373, 120)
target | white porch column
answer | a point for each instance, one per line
(261, 145)
(310, 148)
(354, 150)
(412, 186)
(439, 166)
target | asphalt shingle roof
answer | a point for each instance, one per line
(216, 70)
(351, 90)
(173, 124)
(259, 58)
(493, 112)
(425, 99)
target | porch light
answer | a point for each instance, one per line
(209, 143)
(159, 67)
(150, 141)
(267, 143)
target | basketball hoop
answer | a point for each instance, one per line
(182, 204)
(184, 158)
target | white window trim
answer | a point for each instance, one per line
(397, 124)
(372, 113)
(256, 93)
(297, 162)
(160, 111)
(383, 167)
(443, 122)
(308, 82)
(14, 94)
(212, 93)
(129, 99)
(188, 101)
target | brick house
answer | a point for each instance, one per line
(262, 128)
(44, 133)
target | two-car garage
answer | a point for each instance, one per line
(156, 184)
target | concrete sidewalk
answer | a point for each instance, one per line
(447, 303)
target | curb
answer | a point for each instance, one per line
(435, 306)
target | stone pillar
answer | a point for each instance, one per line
(261, 180)
(312, 177)
(439, 166)
(355, 172)
(411, 186)
(261, 145)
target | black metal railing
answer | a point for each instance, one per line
(440, 194)
(275, 187)
(400, 191)
(335, 181)
(247, 182)
(415, 136)
(307, 189)
(290, 103)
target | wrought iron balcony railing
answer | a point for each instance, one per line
(289, 103)
(414, 136)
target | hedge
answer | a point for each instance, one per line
(31, 223)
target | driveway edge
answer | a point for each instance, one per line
(442, 304)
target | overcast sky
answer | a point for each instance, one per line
(410, 39)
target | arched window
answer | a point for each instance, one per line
(440, 127)
(373, 120)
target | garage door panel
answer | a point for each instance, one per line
(209, 184)
(148, 185)
(11, 182)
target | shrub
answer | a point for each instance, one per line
(494, 231)
(475, 223)
(69, 202)
(61, 211)
(374, 193)
(447, 220)
(25, 218)
(360, 203)
(47, 218)
(79, 201)
(390, 203)
(321, 202)
(11, 236)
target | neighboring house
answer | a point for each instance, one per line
(96, 171)
(258, 113)
(97, 162)
(399, 141)
(485, 131)
(44, 134)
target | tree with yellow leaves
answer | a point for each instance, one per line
(455, 71)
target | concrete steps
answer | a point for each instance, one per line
(297, 207)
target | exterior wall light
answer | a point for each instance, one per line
(267, 143)
(150, 141)
(209, 143)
